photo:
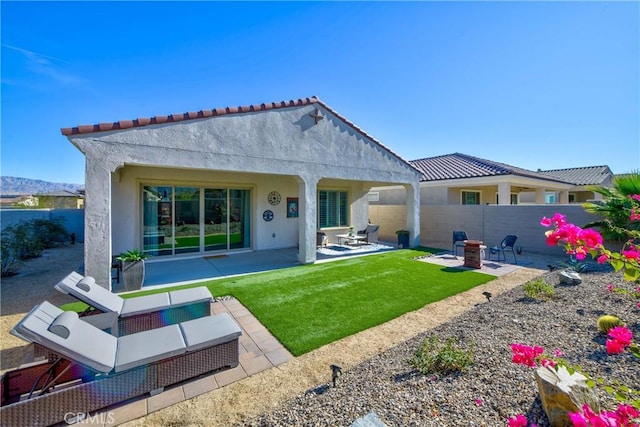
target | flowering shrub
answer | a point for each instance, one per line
(580, 242)
(624, 416)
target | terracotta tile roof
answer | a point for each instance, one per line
(587, 175)
(458, 165)
(192, 115)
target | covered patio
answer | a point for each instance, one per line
(184, 271)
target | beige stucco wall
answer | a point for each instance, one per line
(487, 223)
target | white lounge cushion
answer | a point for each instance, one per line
(145, 304)
(85, 289)
(189, 296)
(149, 346)
(84, 343)
(209, 331)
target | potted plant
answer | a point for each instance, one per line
(132, 269)
(403, 238)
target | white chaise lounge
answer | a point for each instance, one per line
(130, 315)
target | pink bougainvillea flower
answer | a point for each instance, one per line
(627, 413)
(614, 347)
(610, 287)
(547, 362)
(638, 305)
(560, 219)
(602, 259)
(621, 334)
(635, 215)
(591, 238)
(545, 221)
(526, 355)
(478, 402)
(558, 353)
(517, 421)
(577, 419)
(636, 197)
(631, 254)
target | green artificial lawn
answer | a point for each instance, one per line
(309, 306)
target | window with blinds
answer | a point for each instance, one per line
(333, 207)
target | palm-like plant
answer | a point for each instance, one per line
(615, 207)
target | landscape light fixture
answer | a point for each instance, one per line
(336, 371)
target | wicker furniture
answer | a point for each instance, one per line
(91, 369)
(140, 313)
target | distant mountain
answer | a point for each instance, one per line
(11, 185)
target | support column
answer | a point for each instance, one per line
(307, 209)
(564, 197)
(540, 196)
(504, 193)
(97, 221)
(413, 213)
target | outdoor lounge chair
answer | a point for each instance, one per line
(91, 369)
(371, 232)
(458, 241)
(139, 313)
(506, 244)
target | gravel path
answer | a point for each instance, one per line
(494, 388)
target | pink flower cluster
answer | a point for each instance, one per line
(624, 416)
(518, 421)
(577, 241)
(620, 338)
(531, 356)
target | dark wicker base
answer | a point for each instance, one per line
(171, 316)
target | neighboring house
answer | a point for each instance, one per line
(18, 201)
(231, 179)
(460, 179)
(62, 199)
(56, 200)
(582, 178)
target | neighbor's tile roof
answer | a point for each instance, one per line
(192, 115)
(458, 165)
(588, 175)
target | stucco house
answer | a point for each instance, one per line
(460, 179)
(582, 178)
(231, 179)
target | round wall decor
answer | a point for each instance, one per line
(274, 198)
(267, 215)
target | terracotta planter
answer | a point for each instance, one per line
(133, 275)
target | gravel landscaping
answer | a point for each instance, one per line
(494, 388)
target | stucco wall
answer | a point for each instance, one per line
(72, 219)
(487, 223)
(282, 150)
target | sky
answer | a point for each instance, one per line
(537, 85)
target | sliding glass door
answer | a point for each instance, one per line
(179, 220)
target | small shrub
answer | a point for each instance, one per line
(539, 289)
(433, 357)
(607, 322)
(27, 239)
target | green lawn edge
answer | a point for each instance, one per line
(308, 306)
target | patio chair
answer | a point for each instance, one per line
(131, 315)
(507, 244)
(458, 239)
(91, 369)
(371, 232)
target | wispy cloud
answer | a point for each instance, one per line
(47, 66)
